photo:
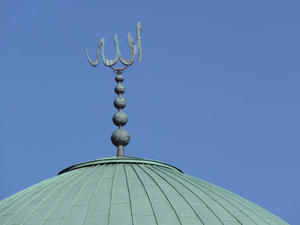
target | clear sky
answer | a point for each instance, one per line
(217, 94)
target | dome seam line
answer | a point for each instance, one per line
(239, 201)
(32, 199)
(126, 178)
(179, 195)
(111, 194)
(154, 214)
(161, 192)
(94, 193)
(216, 202)
(70, 180)
(194, 181)
(76, 195)
(212, 190)
(204, 202)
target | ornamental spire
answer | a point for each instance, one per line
(120, 137)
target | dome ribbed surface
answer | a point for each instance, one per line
(129, 191)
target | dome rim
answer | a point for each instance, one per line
(115, 160)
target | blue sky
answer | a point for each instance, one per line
(217, 94)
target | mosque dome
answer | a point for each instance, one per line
(129, 191)
(125, 190)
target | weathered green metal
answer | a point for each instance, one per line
(129, 191)
(120, 137)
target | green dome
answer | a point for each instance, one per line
(129, 191)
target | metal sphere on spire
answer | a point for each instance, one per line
(120, 138)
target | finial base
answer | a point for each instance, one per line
(120, 151)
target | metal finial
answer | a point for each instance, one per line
(120, 137)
